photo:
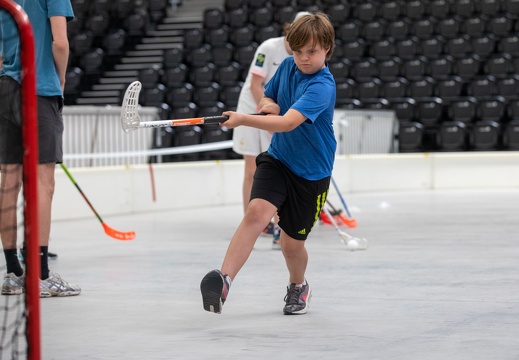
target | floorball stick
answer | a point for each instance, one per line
(130, 119)
(116, 234)
(352, 243)
(343, 201)
(345, 220)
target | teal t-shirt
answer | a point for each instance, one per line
(39, 13)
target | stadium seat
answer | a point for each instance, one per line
(510, 45)
(213, 18)
(464, 8)
(229, 95)
(499, 65)
(92, 62)
(185, 136)
(255, 4)
(467, 67)
(389, 69)
(280, 3)
(482, 86)
(422, 88)
(511, 135)
(242, 36)
(114, 42)
(512, 109)
(261, 17)
(429, 111)
(175, 76)
(244, 54)
(206, 95)
(285, 14)
(452, 136)
(508, 87)
(135, 23)
(99, 6)
(355, 49)
(193, 38)
(228, 75)
(459, 46)
(186, 111)
(408, 48)
(365, 11)
(488, 7)
(369, 89)
(374, 31)
(415, 68)
(217, 37)
(202, 76)
(463, 109)
(484, 135)
(432, 48)
(500, 26)
(442, 67)
(366, 68)
(376, 104)
(180, 96)
(474, 26)
(339, 12)
(210, 134)
(75, 26)
(390, 10)
(399, 29)
(423, 28)
(383, 49)
(449, 28)
(173, 57)
(222, 56)
(73, 79)
(121, 8)
(492, 108)
(237, 18)
(485, 45)
(98, 23)
(410, 136)
(232, 4)
(267, 32)
(153, 96)
(349, 30)
(439, 9)
(511, 7)
(395, 89)
(404, 108)
(150, 76)
(197, 57)
(81, 43)
(213, 109)
(449, 88)
(345, 91)
(81, 6)
(415, 9)
(340, 69)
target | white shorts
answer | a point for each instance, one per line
(250, 141)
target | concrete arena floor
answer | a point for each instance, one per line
(439, 281)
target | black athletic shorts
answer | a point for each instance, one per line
(50, 125)
(299, 201)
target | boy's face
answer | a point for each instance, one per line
(310, 58)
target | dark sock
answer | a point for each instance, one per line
(12, 262)
(44, 263)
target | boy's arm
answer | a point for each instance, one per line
(60, 46)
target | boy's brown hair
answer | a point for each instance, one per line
(316, 28)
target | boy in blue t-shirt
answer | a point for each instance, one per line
(293, 176)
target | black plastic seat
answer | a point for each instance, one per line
(73, 79)
(135, 23)
(173, 57)
(492, 108)
(211, 109)
(345, 91)
(395, 89)
(430, 110)
(212, 134)
(423, 28)
(242, 36)
(186, 111)
(511, 7)
(484, 45)
(349, 30)
(365, 11)
(203, 75)
(464, 8)
(376, 104)
(374, 30)
(75, 26)
(390, 10)
(482, 86)
(339, 12)
(217, 37)
(232, 4)
(206, 95)
(500, 26)
(432, 48)
(180, 96)
(383, 49)
(508, 87)
(449, 88)
(340, 69)
(369, 89)
(422, 88)
(153, 96)
(389, 69)
(459, 46)
(410, 136)
(467, 67)
(280, 3)
(404, 108)
(244, 54)
(363, 69)
(474, 26)
(114, 42)
(452, 136)
(267, 32)
(175, 76)
(499, 65)
(511, 135)
(484, 135)
(149, 76)
(510, 45)
(255, 4)
(415, 9)
(449, 28)
(261, 17)
(229, 95)
(222, 56)
(355, 49)
(442, 67)
(213, 18)
(82, 43)
(185, 136)
(198, 57)
(193, 38)
(488, 7)
(399, 29)
(92, 62)
(415, 68)
(237, 18)
(408, 48)
(439, 9)
(512, 109)
(228, 75)
(285, 14)
(97, 23)
(463, 109)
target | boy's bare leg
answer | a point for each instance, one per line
(248, 178)
(296, 258)
(257, 216)
(11, 181)
(45, 194)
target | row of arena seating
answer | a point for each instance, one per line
(441, 65)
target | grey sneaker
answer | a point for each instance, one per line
(13, 285)
(297, 299)
(54, 285)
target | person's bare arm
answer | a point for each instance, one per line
(60, 46)
(257, 87)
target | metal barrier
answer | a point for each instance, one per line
(366, 131)
(91, 130)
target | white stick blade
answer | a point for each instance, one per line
(130, 118)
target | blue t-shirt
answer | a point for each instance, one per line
(309, 149)
(39, 13)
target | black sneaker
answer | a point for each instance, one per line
(297, 299)
(215, 287)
